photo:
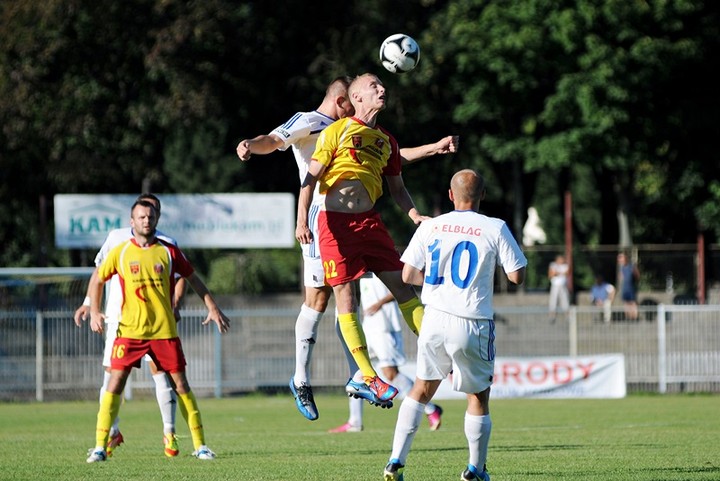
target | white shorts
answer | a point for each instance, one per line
(313, 272)
(458, 344)
(385, 348)
(111, 328)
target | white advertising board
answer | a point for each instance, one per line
(596, 376)
(229, 221)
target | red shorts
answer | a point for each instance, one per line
(166, 353)
(353, 244)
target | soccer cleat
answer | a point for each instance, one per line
(114, 441)
(171, 445)
(435, 419)
(394, 471)
(204, 453)
(346, 428)
(472, 474)
(304, 400)
(97, 455)
(382, 390)
(360, 390)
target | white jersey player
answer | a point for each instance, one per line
(164, 392)
(454, 257)
(301, 132)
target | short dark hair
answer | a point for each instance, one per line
(149, 196)
(145, 203)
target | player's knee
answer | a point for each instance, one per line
(317, 299)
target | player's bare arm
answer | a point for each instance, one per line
(446, 145)
(82, 312)
(180, 287)
(214, 313)
(307, 190)
(412, 275)
(97, 318)
(402, 198)
(517, 277)
(261, 145)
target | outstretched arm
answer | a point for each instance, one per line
(262, 144)
(446, 145)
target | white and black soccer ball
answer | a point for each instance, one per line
(399, 53)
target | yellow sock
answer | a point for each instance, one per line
(413, 312)
(109, 408)
(191, 413)
(355, 339)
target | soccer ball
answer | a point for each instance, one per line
(399, 53)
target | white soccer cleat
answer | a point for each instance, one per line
(97, 455)
(204, 453)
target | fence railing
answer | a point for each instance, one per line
(43, 356)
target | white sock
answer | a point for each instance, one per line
(356, 412)
(477, 432)
(115, 428)
(306, 328)
(430, 408)
(403, 385)
(408, 421)
(167, 400)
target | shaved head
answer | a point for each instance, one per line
(338, 87)
(467, 186)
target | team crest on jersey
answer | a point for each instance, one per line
(379, 143)
(158, 268)
(357, 141)
(135, 267)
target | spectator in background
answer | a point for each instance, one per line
(629, 276)
(558, 272)
(602, 295)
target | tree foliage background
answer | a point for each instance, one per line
(615, 101)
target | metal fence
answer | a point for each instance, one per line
(43, 356)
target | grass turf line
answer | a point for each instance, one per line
(640, 438)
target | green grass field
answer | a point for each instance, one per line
(648, 438)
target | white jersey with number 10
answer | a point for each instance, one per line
(459, 252)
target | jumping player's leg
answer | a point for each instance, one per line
(317, 296)
(306, 328)
(410, 306)
(350, 328)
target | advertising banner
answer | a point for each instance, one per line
(596, 376)
(195, 220)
